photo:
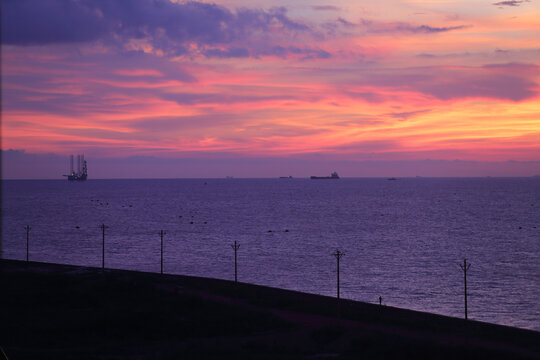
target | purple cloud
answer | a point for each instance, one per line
(429, 29)
(402, 116)
(510, 81)
(510, 3)
(408, 28)
(45, 22)
(326, 8)
(346, 23)
(99, 77)
(168, 26)
(232, 52)
(426, 55)
(171, 124)
(495, 86)
(366, 96)
(276, 50)
(514, 67)
(307, 53)
(192, 99)
(398, 27)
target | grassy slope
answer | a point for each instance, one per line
(69, 312)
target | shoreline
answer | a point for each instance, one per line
(139, 314)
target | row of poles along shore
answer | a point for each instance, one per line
(337, 254)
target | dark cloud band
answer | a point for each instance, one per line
(510, 3)
(167, 26)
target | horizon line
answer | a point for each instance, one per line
(288, 178)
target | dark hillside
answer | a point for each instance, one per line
(70, 312)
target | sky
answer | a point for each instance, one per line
(258, 88)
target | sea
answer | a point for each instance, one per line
(403, 240)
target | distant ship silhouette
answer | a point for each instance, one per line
(333, 176)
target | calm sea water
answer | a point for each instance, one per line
(403, 240)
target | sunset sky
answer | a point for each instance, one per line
(244, 81)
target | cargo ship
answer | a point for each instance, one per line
(82, 169)
(334, 175)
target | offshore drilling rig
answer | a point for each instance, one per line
(82, 170)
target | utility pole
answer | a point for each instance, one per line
(235, 248)
(338, 255)
(103, 227)
(465, 267)
(27, 228)
(161, 233)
